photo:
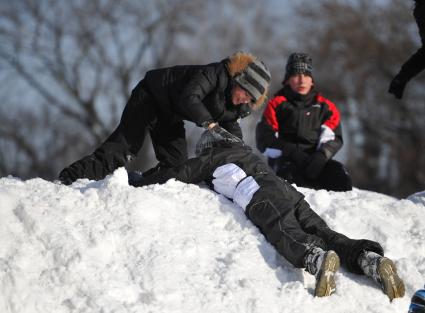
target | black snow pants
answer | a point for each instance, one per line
(140, 114)
(294, 229)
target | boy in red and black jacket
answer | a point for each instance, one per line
(300, 131)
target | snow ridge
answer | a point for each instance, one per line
(109, 247)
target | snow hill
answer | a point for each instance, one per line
(109, 247)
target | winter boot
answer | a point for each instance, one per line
(323, 265)
(383, 271)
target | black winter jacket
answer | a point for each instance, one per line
(160, 102)
(296, 122)
(196, 93)
(416, 63)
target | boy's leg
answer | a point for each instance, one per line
(299, 248)
(383, 271)
(359, 256)
(281, 228)
(323, 265)
(169, 143)
(121, 146)
(347, 249)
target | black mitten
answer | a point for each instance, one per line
(315, 165)
(397, 87)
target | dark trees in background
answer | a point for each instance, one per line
(72, 66)
(68, 67)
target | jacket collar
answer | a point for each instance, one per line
(298, 99)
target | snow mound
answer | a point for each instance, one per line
(109, 247)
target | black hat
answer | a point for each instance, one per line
(255, 79)
(298, 63)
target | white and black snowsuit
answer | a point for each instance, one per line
(160, 103)
(271, 203)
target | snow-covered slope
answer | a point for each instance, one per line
(109, 247)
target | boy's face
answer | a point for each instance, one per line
(240, 96)
(300, 83)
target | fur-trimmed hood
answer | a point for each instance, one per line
(238, 63)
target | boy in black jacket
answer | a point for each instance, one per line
(281, 214)
(208, 95)
(300, 131)
(416, 63)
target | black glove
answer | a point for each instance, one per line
(219, 133)
(397, 87)
(315, 164)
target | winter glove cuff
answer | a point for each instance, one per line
(206, 124)
(272, 153)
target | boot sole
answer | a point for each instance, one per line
(325, 285)
(392, 284)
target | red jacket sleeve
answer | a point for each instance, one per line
(270, 112)
(333, 121)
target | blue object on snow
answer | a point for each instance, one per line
(417, 304)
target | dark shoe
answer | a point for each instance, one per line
(325, 278)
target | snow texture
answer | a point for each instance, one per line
(108, 247)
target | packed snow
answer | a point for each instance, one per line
(109, 247)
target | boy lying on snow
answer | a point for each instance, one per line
(281, 213)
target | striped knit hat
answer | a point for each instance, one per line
(255, 79)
